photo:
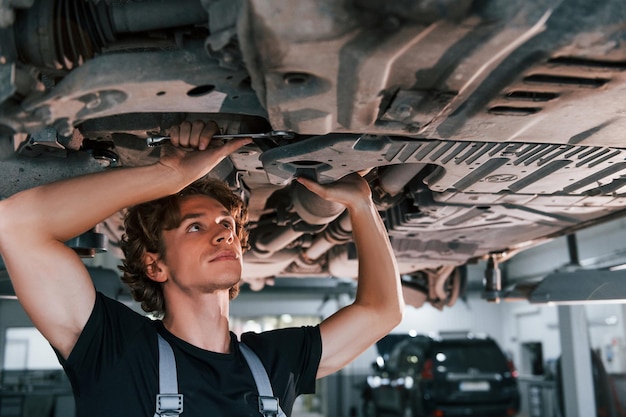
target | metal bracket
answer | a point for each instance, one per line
(169, 404)
(268, 405)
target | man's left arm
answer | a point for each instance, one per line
(378, 306)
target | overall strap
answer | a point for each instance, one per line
(168, 402)
(268, 403)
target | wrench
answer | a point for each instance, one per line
(274, 134)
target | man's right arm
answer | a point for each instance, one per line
(49, 279)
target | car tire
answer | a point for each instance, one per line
(408, 411)
(369, 409)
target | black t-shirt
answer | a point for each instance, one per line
(113, 367)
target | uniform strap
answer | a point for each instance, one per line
(168, 402)
(268, 403)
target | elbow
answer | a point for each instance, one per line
(397, 315)
(387, 313)
(387, 322)
(393, 315)
(10, 218)
(5, 221)
(396, 309)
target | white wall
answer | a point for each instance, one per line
(474, 315)
(523, 322)
(513, 323)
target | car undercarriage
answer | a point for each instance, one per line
(483, 127)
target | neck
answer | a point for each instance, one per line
(201, 321)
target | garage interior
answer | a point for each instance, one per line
(465, 115)
(577, 309)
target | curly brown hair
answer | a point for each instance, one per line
(144, 225)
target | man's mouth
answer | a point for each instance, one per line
(225, 256)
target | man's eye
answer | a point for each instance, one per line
(194, 228)
(228, 225)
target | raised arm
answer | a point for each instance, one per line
(378, 306)
(50, 280)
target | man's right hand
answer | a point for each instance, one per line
(197, 136)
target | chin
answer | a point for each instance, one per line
(226, 278)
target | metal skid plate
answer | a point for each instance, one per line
(474, 197)
(470, 167)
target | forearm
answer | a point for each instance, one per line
(67, 208)
(378, 277)
(378, 282)
(378, 306)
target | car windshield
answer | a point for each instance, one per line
(460, 357)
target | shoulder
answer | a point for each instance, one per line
(110, 322)
(112, 309)
(113, 332)
(291, 356)
(305, 334)
(289, 343)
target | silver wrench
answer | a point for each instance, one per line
(274, 134)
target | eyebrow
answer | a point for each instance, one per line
(196, 215)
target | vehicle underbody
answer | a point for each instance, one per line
(483, 127)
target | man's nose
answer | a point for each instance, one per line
(225, 234)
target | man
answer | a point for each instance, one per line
(110, 353)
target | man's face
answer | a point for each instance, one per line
(203, 253)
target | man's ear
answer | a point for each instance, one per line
(154, 267)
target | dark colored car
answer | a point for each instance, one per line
(449, 377)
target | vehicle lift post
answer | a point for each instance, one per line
(578, 389)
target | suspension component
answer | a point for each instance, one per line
(493, 280)
(63, 34)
